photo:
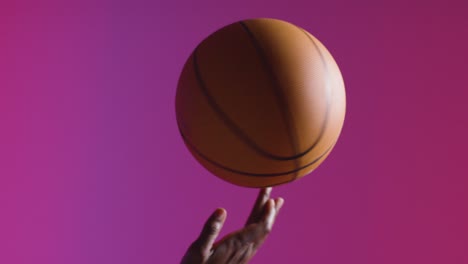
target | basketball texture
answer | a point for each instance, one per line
(260, 102)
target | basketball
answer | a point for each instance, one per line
(260, 102)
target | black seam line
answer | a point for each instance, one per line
(280, 97)
(327, 95)
(228, 121)
(225, 118)
(327, 91)
(239, 133)
(255, 174)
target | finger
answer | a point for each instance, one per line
(258, 231)
(257, 210)
(211, 231)
(272, 209)
(269, 215)
(278, 204)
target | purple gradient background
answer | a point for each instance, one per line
(93, 170)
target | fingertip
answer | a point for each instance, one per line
(220, 214)
(271, 201)
(265, 192)
(279, 202)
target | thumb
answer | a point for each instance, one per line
(211, 231)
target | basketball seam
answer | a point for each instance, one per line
(280, 94)
(234, 128)
(227, 120)
(327, 96)
(291, 131)
(250, 173)
(283, 105)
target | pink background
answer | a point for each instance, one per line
(93, 170)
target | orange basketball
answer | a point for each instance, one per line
(260, 102)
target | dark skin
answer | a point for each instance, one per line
(240, 246)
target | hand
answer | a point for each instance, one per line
(239, 246)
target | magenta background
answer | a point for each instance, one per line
(93, 170)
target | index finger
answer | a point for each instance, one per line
(257, 210)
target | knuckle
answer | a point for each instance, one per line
(267, 229)
(239, 242)
(212, 228)
(232, 243)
